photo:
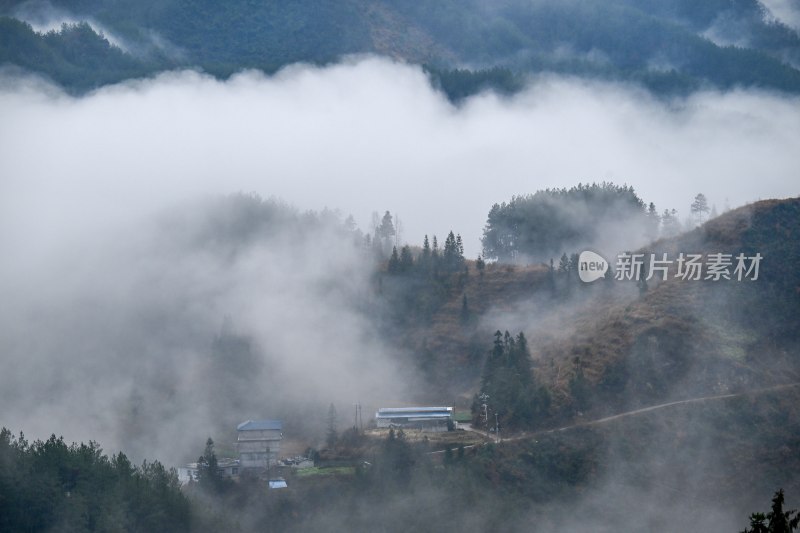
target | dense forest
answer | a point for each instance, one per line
(547, 223)
(468, 46)
(52, 486)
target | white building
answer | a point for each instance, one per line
(225, 467)
(259, 443)
(425, 418)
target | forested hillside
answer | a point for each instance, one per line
(528, 347)
(190, 276)
(614, 344)
(669, 47)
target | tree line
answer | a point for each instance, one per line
(52, 486)
(550, 221)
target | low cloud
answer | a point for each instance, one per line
(785, 11)
(369, 135)
(108, 317)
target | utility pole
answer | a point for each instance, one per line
(496, 428)
(268, 465)
(358, 420)
(484, 398)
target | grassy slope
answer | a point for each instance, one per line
(681, 338)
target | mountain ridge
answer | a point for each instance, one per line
(666, 49)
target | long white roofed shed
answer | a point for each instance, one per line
(426, 418)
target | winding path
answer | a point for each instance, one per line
(626, 414)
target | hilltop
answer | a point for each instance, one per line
(612, 348)
(676, 339)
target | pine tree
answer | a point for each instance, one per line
(480, 265)
(507, 380)
(453, 255)
(776, 521)
(435, 257)
(424, 259)
(332, 435)
(493, 361)
(394, 262)
(385, 233)
(406, 260)
(449, 252)
(464, 309)
(573, 265)
(699, 208)
(386, 229)
(653, 222)
(563, 264)
(208, 468)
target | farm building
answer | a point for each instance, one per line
(259, 443)
(225, 468)
(425, 418)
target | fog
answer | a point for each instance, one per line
(117, 271)
(785, 11)
(44, 17)
(151, 337)
(369, 135)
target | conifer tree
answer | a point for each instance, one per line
(332, 435)
(394, 262)
(776, 521)
(653, 222)
(424, 259)
(406, 260)
(480, 265)
(208, 468)
(563, 264)
(699, 208)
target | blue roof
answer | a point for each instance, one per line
(413, 409)
(414, 412)
(260, 425)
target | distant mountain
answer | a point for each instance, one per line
(671, 46)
